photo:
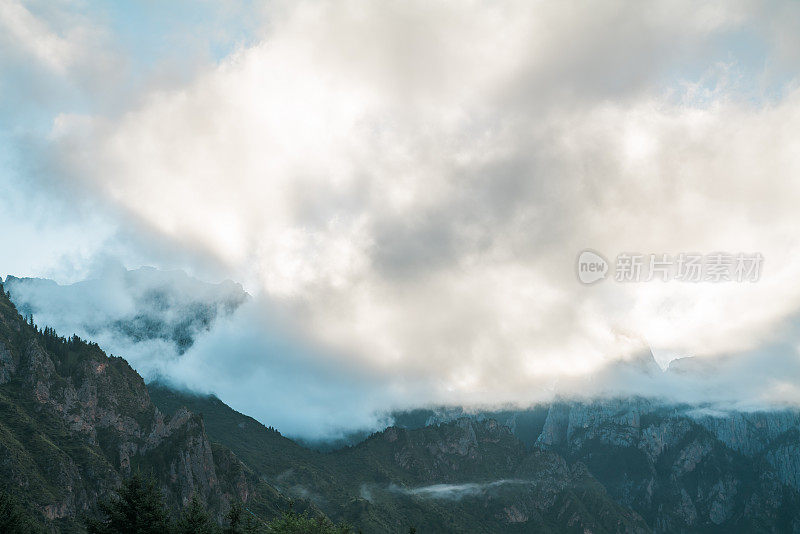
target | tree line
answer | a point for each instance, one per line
(138, 507)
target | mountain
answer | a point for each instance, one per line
(460, 476)
(75, 421)
(680, 469)
(648, 465)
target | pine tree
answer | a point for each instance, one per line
(234, 517)
(195, 519)
(138, 508)
(251, 525)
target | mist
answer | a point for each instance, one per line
(451, 492)
(214, 339)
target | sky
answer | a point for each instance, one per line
(404, 187)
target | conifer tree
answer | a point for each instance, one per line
(195, 519)
(234, 517)
(138, 508)
(251, 526)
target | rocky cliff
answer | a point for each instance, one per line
(681, 468)
(74, 421)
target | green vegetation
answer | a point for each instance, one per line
(138, 507)
(261, 447)
(294, 523)
(195, 520)
(74, 421)
(13, 517)
(362, 485)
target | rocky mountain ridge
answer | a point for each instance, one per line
(651, 467)
(683, 468)
(76, 421)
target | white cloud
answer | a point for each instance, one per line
(34, 36)
(409, 183)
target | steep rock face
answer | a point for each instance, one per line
(74, 421)
(681, 472)
(681, 467)
(773, 437)
(462, 450)
(95, 393)
(783, 455)
(616, 422)
(748, 432)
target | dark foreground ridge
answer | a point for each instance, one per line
(76, 423)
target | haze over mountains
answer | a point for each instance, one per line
(211, 338)
(148, 315)
(214, 338)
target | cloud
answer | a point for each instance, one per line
(261, 366)
(211, 338)
(208, 338)
(75, 58)
(451, 492)
(405, 188)
(34, 37)
(148, 316)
